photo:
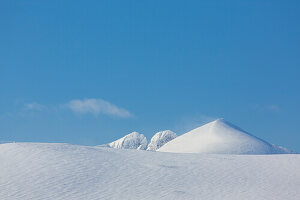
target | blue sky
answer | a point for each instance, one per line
(90, 72)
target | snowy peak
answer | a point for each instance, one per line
(133, 140)
(160, 138)
(224, 127)
(220, 137)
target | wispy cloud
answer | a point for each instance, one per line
(82, 106)
(270, 107)
(35, 106)
(273, 108)
(96, 107)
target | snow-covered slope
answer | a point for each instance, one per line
(133, 140)
(62, 171)
(160, 138)
(220, 137)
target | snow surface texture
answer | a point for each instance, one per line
(61, 171)
(133, 140)
(160, 138)
(220, 137)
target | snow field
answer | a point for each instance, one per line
(64, 171)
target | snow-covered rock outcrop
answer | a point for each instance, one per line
(133, 140)
(160, 138)
(220, 137)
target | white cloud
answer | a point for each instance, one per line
(35, 106)
(97, 106)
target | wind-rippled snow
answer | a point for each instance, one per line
(63, 171)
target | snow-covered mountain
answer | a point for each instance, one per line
(160, 138)
(62, 171)
(220, 137)
(133, 140)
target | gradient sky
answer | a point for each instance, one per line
(89, 72)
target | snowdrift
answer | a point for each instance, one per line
(220, 137)
(62, 171)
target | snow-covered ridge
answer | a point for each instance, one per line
(160, 138)
(220, 137)
(217, 137)
(133, 140)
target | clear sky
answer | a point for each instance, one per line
(89, 72)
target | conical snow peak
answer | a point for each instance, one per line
(219, 137)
